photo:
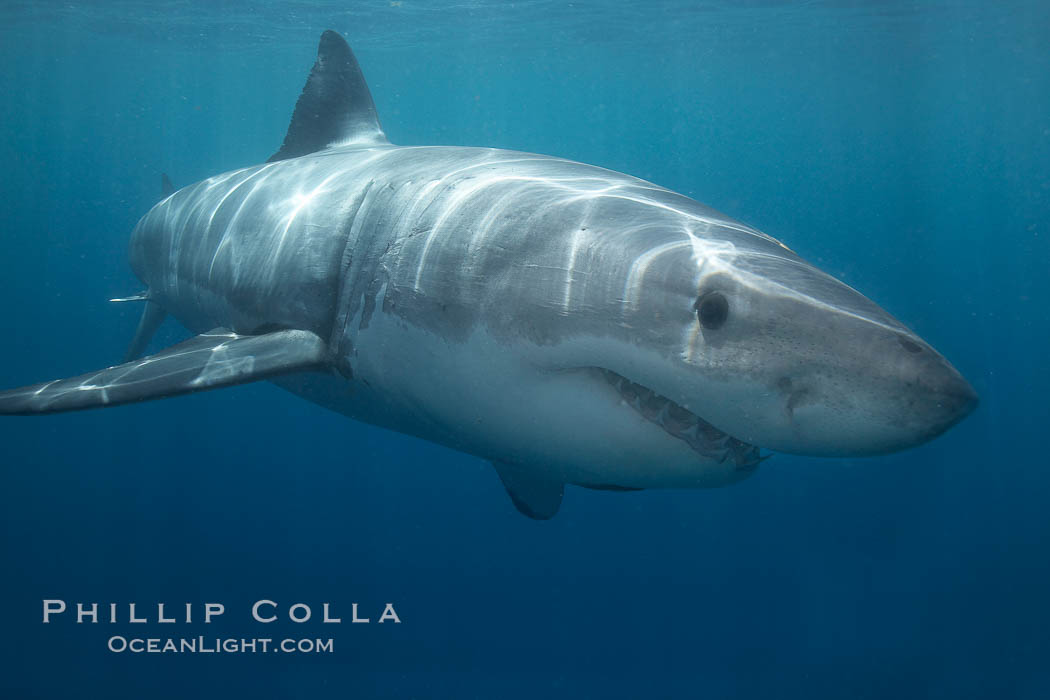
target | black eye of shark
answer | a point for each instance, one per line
(712, 309)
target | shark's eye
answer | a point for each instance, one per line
(712, 309)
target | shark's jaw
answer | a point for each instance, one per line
(703, 438)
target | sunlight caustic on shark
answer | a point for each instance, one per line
(571, 324)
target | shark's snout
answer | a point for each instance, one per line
(868, 409)
(911, 389)
(950, 398)
(833, 374)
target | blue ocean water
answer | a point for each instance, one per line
(904, 147)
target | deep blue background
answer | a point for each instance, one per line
(904, 149)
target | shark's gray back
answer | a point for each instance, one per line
(445, 237)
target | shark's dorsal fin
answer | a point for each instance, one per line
(533, 495)
(335, 107)
(166, 188)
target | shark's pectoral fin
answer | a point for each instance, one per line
(211, 360)
(534, 496)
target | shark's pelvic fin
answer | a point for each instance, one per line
(335, 106)
(152, 317)
(533, 496)
(211, 360)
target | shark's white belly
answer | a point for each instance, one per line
(478, 397)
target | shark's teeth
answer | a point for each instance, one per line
(704, 438)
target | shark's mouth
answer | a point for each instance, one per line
(704, 438)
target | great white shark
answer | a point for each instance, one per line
(571, 324)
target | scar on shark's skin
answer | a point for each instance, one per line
(571, 324)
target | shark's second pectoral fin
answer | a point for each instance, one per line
(152, 317)
(534, 496)
(211, 360)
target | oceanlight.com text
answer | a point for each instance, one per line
(218, 645)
